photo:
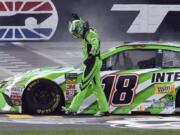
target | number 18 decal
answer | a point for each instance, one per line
(120, 89)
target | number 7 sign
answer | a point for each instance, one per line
(149, 18)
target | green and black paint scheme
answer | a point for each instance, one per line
(136, 77)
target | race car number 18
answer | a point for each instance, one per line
(120, 89)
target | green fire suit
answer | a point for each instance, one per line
(91, 77)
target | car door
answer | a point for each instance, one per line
(126, 80)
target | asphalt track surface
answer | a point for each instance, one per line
(36, 123)
(16, 122)
(19, 57)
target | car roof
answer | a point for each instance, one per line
(143, 44)
(173, 44)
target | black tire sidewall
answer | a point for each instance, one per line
(34, 108)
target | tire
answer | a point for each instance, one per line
(42, 97)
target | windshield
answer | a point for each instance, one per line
(132, 59)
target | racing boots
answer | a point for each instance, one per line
(68, 111)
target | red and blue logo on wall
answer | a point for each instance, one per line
(27, 20)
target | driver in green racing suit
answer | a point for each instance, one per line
(92, 65)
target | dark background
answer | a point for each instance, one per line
(112, 26)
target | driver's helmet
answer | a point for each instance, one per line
(76, 28)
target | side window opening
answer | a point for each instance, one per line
(171, 59)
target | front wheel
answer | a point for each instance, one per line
(42, 97)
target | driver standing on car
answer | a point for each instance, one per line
(92, 65)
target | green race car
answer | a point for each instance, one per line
(136, 78)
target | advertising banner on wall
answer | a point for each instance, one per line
(115, 20)
(27, 20)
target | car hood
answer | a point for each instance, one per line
(22, 79)
(48, 70)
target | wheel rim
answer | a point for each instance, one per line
(43, 97)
